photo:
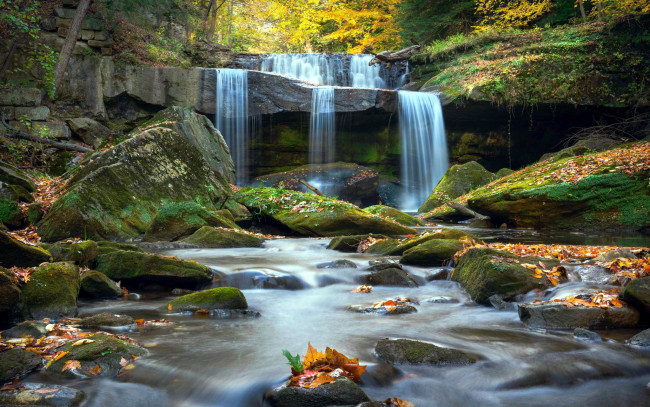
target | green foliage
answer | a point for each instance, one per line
(428, 20)
(294, 361)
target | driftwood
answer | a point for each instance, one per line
(466, 211)
(389, 57)
(312, 188)
(12, 132)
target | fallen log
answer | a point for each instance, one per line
(389, 57)
(12, 132)
(312, 188)
(466, 211)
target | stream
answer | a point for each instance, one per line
(208, 361)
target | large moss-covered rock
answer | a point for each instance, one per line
(140, 268)
(52, 291)
(11, 175)
(433, 252)
(101, 350)
(606, 190)
(96, 285)
(458, 180)
(16, 253)
(637, 293)
(391, 276)
(16, 363)
(350, 243)
(83, 253)
(553, 315)
(178, 219)
(215, 298)
(314, 215)
(178, 156)
(400, 351)
(10, 213)
(394, 214)
(9, 299)
(208, 236)
(396, 247)
(350, 182)
(105, 247)
(341, 392)
(486, 272)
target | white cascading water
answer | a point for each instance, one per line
(231, 116)
(312, 68)
(363, 75)
(322, 132)
(424, 146)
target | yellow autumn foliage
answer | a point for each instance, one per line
(510, 13)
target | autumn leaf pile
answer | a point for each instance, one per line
(601, 299)
(319, 368)
(391, 305)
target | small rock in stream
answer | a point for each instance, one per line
(401, 351)
(341, 392)
(586, 335)
(35, 394)
(499, 303)
(642, 339)
(16, 363)
(442, 299)
(337, 264)
(32, 329)
(105, 319)
(552, 315)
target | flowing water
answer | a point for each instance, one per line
(362, 75)
(424, 146)
(231, 116)
(207, 361)
(322, 127)
(319, 69)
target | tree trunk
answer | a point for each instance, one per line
(5, 64)
(212, 22)
(582, 10)
(312, 188)
(70, 41)
(393, 56)
(57, 144)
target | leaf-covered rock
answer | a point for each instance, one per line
(178, 156)
(215, 298)
(52, 291)
(16, 253)
(341, 392)
(458, 180)
(313, 215)
(139, 268)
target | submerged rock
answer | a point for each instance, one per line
(96, 285)
(313, 215)
(16, 253)
(52, 291)
(216, 298)
(16, 363)
(175, 220)
(549, 315)
(341, 392)
(208, 236)
(264, 279)
(178, 156)
(100, 355)
(391, 276)
(337, 264)
(485, 272)
(142, 268)
(433, 252)
(586, 335)
(45, 395)
(105, 319)
(401, 351)
(394, 214)
(458, 180)
(642, 339)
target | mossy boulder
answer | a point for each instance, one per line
(554, 315)
(83, 253)
(96, 285)
(215, 298)
(503, 172)
(433, 252)
(458, 180)
(402, 351)
(104, 351)
(51, 291)
(175, 220)
(105, 247)
(178, 156)
(16, 253)
(16, 363)
(637, 294)
(9, 300)
(350, 243)
(485, 272)
(105, 319)
(391, 276)
(34, 213)
(394, 214)
(313, 215)
(397, 247)
(341, 392)
(142, 268)
(597, 191)
(209, 236)
(24, 329)
(11, 175)
(10, 213)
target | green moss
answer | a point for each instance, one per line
(208, 236)
(399, 351)
(16, 253)
(96, 285)
(52, 291)
(10, 213)
(350, 243)
(105, 247)
(394, 214)
(216, 298)
(432, 253)
(82, 253)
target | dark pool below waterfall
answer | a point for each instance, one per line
(203, 361)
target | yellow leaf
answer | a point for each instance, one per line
(82, 342)
(71, 365)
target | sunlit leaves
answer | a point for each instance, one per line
(319, 368)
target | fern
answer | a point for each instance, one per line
(294, 361)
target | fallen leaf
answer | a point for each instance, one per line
(46, 391)
(82, 342)
(95, 370)
(71, 365)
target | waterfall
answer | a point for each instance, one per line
(231, 116)
(322, 141)
(363, 75)
(313, 68)
(424, 145)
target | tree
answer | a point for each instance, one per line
(70, 41)
(428, 20)
(510, 13)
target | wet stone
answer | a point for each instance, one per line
(26, 329)
(401, 351)
(337, 264)
(642, 339)
(398, 309)
(36, 394)
(341, 392)
(586, 335)
(105, 319)
(16, 363)
(442, 299)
